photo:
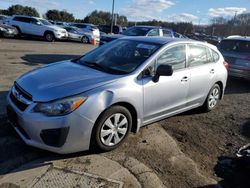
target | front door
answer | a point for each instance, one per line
(169, 94)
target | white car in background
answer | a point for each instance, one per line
(88, 28)
(34, 26)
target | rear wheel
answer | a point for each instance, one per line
(111, 129)
(49, 37)
(212, 98)
(85, 40)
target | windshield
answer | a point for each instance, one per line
(136, 31)
(235, 45)
(119, 56)
(45, 22)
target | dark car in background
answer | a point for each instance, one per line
(236, 51)
(107, 29)
(7, 30)
(150, 31)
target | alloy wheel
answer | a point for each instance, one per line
(114, 129)
(213, 98)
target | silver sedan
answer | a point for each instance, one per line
(77, 34)
(97, 100)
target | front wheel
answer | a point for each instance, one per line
(49, 37)
(212, 98)
(85, 40)
(111, 129)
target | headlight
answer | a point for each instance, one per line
(60, 108)
(57, 31)
(2, 29)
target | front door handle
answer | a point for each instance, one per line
(184, 79)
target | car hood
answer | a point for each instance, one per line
(55, 27)
(112, 37)
(62, 79)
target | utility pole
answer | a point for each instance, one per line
(112, 20)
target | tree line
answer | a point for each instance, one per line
(238, 25)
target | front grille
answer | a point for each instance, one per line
(18, 104)
(20, 97)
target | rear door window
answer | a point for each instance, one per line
(167, 33)
(154, 32)
(22, 19)
(199, 55)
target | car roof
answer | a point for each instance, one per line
(26, 16)
(148, 26)
(245, 38)
(157, 40)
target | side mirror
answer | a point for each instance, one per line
(162, 70)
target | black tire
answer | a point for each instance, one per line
(97, 141)
(212, 96)
(49, 36)
(19, 33)
(85, 40)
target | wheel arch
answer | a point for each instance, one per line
(221, 87)
(133, 113)
(48, 31)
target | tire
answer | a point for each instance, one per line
(212, 99)
(85, 40)
(50, 37)
(111, 129)
(19, 33)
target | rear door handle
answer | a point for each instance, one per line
(184, 79)
(212, 71)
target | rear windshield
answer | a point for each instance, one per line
(235, 45)
(136, 31)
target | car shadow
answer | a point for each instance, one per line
(36, 59)
(237, 86)
(245, 131)
(15, 153)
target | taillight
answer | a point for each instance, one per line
(226, 65)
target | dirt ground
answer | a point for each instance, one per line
(198, 138)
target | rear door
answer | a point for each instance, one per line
(35, 27)
(203, 72)
(169, 94)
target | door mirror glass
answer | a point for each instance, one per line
(162, 70)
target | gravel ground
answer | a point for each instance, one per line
(201, 137)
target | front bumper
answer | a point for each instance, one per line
(61, 36)
(61, 134)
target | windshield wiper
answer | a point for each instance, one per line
(93, 65)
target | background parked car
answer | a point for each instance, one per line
(77, 34)
(152, 31)
(7, 30)
(37, 27)
(107, 29)
(88, 28)
(236, 51)
(3, 19)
